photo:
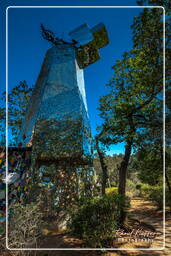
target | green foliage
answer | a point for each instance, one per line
(168, 160)
(148, 34)
(129, 110)
(131, 188)
(112, 163)
(111, 190)
(155, 193)
(132, 110)
(138, 186)
(97, 219)
(148, 164)
(18, 100)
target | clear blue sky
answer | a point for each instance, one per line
(27, 48)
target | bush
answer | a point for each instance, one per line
(112, 190)
(138, 186)
(168, 198)
(97, 219)
(24, 225)
(155, 193)
(131, 188)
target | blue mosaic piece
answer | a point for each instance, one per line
(82, 34)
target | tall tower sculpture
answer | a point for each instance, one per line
(56, 124)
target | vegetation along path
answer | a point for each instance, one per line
(144, 215)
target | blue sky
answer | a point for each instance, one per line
(27, 48)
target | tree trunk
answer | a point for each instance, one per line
(123, 168)
(103, 166)
(122, 176)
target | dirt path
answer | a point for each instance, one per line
(145, 212)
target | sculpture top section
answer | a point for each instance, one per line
(49, 36)
(86, 42)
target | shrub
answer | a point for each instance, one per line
(96, 220)
(138, 186)
(155, 193)
(168, 198)
(112, 190)
(24, 225)
(131, 189)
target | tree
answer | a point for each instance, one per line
(18, 100)
(148, 165)
(130, 110)
(113, 163)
